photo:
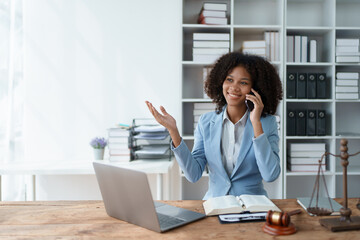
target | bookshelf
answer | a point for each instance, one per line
(325, 21)
(321, 20)
(242, 26)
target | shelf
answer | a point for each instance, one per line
(256, 28)
(328, 64)
(188, 137)
(308, 137)
(312, 30)
(192, 63)
(347, 100)
(196, 100)
(348, 64)
(309, 100)
(347, 137)
(348, 28)
(204, 26)
(297, 174)
(350, 173)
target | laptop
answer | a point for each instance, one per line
(127, 196)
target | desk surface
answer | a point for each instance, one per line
(88, 220)
(80, 167)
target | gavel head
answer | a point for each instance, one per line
(278, 218)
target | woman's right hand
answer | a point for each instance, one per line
(167, 121)
(164, 119)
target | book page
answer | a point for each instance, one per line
(222, 205)
(224, 202)
(258, 203)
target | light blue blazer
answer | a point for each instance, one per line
(258, 158)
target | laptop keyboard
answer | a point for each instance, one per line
(168, 221)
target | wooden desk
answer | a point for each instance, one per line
(88, 220)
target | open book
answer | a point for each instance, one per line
(243, 203)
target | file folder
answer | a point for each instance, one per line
(301, 123)
(291, 123)
(321, 123)
(291, 85)
(311, 123)
(301, 85)
(311, 85)
(321, 85)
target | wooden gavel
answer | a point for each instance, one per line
(280, 218)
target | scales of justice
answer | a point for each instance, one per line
(346, 221)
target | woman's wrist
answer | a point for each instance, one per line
(258, 130)
(175, 137)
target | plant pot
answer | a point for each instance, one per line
(99, 153)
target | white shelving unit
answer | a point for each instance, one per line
(324, 21)
(321, 20)
(248, 20)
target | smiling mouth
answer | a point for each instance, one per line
(234, 95)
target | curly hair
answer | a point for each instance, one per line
(264, 77)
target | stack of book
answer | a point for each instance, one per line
(213, 14)
(200, 109)
(304, 157)
(300, 49)
(347, 85)
(254, 47)
(208, 47)
(118, 144)
(272, 43)
(347, 50)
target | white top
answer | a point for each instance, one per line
(81, 167)
(231, 138)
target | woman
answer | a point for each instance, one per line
(237, 142)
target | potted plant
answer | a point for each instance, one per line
(98, 145)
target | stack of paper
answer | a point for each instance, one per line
(347, 50)
(151, 142)
(304, 157)
(200, 109)
(254, 47)
(208, 47)
(347, 85)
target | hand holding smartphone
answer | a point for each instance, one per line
(250, 104)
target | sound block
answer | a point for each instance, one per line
(335, 225)
(279, 230)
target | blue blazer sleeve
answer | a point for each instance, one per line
(192, 163)
(266, 149)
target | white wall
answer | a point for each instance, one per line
(90, 64)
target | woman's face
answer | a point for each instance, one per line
(237, 84)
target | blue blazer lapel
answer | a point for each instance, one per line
(245, 144)
(215, 134)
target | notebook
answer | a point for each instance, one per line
(323, 202)
(127, 196)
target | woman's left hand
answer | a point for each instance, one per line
(255, 114)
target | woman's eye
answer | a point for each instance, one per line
(244, 83)
(229, 79)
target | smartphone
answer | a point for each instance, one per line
(249, 104)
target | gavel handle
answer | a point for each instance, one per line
(293, 212)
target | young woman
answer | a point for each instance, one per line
(239, 143)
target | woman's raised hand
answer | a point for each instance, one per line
(164, 119)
